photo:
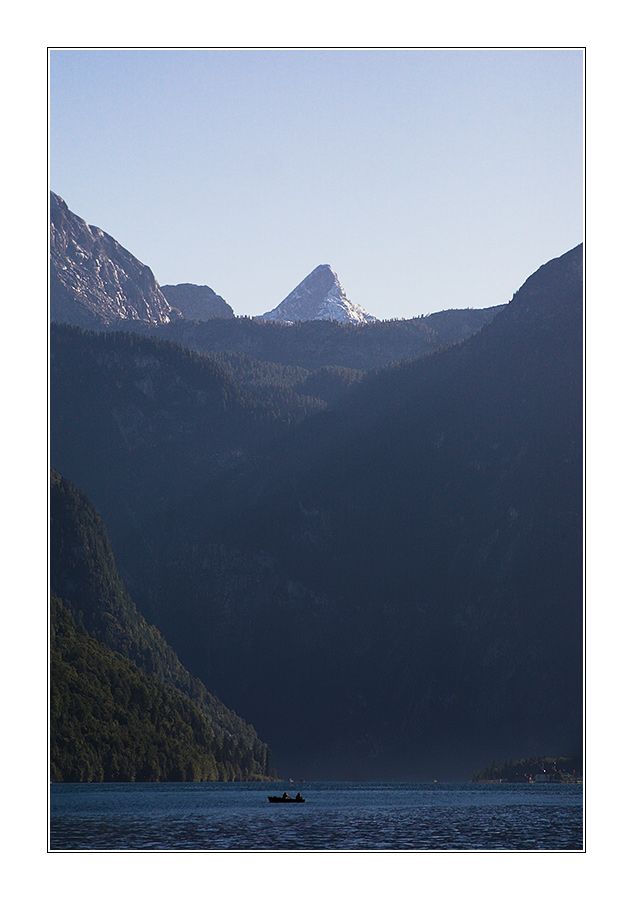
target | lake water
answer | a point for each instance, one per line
(335, 816)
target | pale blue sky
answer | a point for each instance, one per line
(428, 179)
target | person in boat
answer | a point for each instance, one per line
(286, 796)
(298, 797)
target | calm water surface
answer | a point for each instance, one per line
(335, 816)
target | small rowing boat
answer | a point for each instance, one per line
(286, 798)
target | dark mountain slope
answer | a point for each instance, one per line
(315, 344)
(470, 414)
(139, 423)
(406, 577)
(83, 574)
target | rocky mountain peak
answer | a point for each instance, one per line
(319, 296)
(94, 281)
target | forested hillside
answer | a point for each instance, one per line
(84, 575)
(110, 721)
(314, 344)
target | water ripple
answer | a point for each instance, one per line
(229, 817)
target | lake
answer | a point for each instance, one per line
(335, 816)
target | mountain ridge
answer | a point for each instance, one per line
(96, 283)
(314, 344)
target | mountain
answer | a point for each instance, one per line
(84, 575)
(389, 587)
(404, 573)
(94, 281)
(196, 301)
(319, 296)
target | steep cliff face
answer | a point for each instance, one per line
(197, 301)
(319, 296)
(94, 281)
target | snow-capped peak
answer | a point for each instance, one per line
(319, 296)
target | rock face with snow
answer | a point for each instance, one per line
(197, 301)
(319, 296)
(94, 281)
